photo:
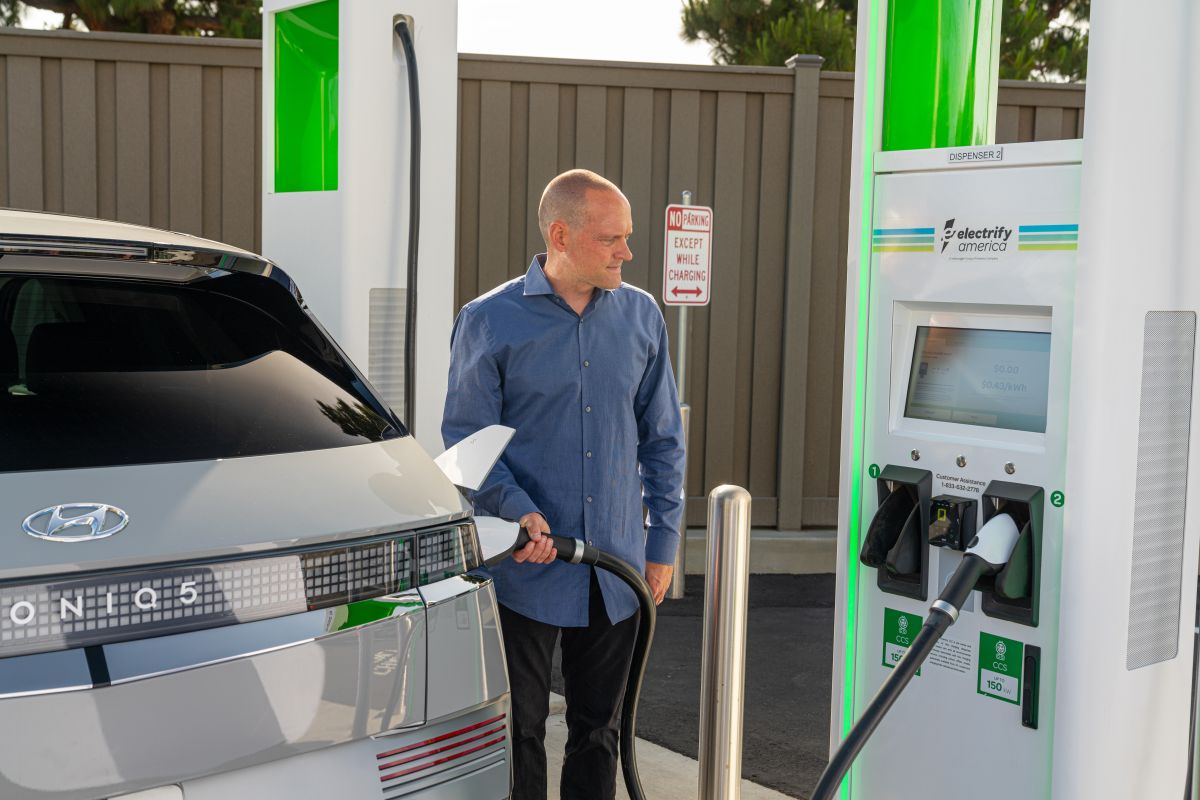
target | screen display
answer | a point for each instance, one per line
(993, 378)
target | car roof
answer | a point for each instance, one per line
(14, 222)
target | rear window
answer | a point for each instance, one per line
(105, 372)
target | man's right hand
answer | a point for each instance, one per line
(540, 549)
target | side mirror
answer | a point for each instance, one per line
(468, 463)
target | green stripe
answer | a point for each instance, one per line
(903, 248)
(862, 315)
(1048, 247)
(903, 240)
(1049, 237)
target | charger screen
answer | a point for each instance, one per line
(993, 378)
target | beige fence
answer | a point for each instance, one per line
(155, 130)
(166, 131)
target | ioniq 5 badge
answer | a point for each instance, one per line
(75, 522)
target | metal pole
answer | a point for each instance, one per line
(681, 336)
(675, 592)
(723, 669)
(679, 574)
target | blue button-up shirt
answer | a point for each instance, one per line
(598, 432)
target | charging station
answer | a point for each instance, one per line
(360, 109)
(1020, 341)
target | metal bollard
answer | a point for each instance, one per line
(723, 669)
(675, 592)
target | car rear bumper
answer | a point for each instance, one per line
(464, 757)
(320, 700)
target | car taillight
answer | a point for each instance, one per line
(446, 553)
(118, 606)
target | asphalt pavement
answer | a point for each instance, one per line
(789, 646)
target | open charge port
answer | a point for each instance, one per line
(895, 543)
(1014, 593)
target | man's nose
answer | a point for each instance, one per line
(626, 254)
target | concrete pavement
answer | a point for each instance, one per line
(665, 775)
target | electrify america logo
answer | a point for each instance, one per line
(971, 241)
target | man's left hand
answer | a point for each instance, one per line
(659, 578)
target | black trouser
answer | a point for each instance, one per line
(595, 665)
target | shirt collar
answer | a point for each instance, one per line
(535, 279)
(537, 283)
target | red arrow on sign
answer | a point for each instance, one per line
(677, 291)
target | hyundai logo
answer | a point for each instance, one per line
(75, 522)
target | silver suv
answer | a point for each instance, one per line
(228, 571)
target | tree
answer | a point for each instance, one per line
(1040, 39)
(240, 19)
(1044, 39)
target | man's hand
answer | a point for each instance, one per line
(540, 549)
(659, 578)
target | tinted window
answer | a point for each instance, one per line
(100, 372)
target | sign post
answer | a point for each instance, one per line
(687, 279)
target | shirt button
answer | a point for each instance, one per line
(589, 453)
(589, 498)
(587, 363)
(588, 409)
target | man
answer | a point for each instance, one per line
(576, 361)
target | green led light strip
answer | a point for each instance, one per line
(867, 175)
(306, 98)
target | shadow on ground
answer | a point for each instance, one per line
(789, 652)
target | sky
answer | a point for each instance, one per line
(609, 30)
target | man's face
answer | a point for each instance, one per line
(596, 251)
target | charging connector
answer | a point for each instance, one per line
(986, 554)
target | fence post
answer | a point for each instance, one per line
(723, 654)
(802, 181)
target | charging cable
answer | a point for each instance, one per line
(986, 555)
(576, 551)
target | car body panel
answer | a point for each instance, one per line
(466, 650)
(236, 506)
(87, 744)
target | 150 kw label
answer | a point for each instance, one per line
(1000, 663)
(899, 630)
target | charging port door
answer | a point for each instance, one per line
(895, 544)
(1014, 593)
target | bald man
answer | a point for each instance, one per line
(576, 361)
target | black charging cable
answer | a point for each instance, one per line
(577, 551)
(414, 219)
(992, 556)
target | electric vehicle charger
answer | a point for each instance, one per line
(987, 554)
(579, 552)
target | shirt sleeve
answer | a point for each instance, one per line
(473, 401)
(660, 452)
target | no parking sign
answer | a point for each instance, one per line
(687, 256)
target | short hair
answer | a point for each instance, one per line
(565, 198)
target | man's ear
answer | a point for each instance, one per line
(558, 234)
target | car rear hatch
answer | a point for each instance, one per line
(214, 533)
